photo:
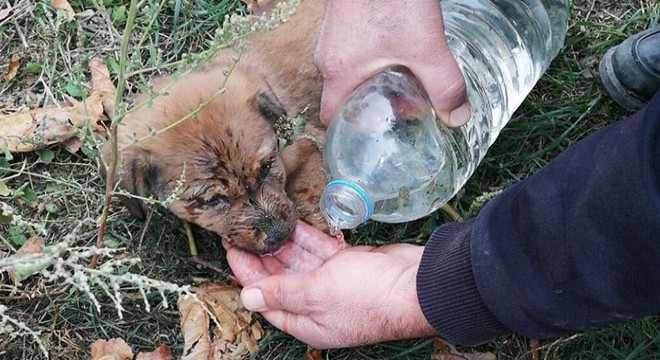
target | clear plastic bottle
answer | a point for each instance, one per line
(388, 157)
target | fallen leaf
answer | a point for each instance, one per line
(32, 246)
(35, 129)
(446, 351)
(12, 69)
(102, 83)
(73, 145)
(5, 12)
(194, 326)
(64, 5)
(113, 349)
(314, 355)
(161, 353)
(4, 190)
(237, 334)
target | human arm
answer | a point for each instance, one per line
(359, 38)
(574, 247)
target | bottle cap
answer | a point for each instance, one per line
(345, 204)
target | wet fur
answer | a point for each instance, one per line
(235, 180)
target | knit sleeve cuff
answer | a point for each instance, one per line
(447, 291)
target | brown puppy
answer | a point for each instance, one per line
(234, 178)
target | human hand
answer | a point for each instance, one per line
(359, 38)
(329, 295)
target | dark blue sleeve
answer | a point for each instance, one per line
(574, 247)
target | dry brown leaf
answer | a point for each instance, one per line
(239, 330)
(35, 129)
(314, 355)
(5, 12)
(102, 83)
(113, 349)
(12, 69)
(446, 351)
(64, 5)
(194, 326)
(161, 353)
(33, 245)
(73, 145)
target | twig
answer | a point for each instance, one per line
(204, 263)
(110, 181)
(191, 239)
(534, 349)
(453, 214)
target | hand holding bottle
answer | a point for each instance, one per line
(358, 39)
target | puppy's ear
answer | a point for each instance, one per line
(269, 106)
(138, 175)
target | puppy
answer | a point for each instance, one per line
(223, 162)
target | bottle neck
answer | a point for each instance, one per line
(345, 204)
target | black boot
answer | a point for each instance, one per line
(630, 71)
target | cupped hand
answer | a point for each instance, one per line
(331, 295)
(359, 38)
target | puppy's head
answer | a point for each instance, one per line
(221, 166)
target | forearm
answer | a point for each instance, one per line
(574, 247)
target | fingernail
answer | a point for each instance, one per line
(253, 299)
(460, 115)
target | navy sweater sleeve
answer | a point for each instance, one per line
(574, 247)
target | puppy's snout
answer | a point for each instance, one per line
(277, 231)
(278, 236)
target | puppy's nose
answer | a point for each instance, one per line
(277, 235)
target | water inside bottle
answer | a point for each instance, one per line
(502, 48)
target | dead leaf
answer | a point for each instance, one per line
(239, 329)
(35, 129)
(5, 12)
(73, 145)
(446, 351)
(113, 349)
(12, 69)
(314, 355)
(102, 83)
(33, 245)
(161, 353)
(64, 5)
(194, 326)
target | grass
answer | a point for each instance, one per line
(59, 190)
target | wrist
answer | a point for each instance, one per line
(413, 323)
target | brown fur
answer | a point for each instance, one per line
(235, 179)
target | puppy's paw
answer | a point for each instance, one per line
(305, 180)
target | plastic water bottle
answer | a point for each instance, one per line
(388, 156)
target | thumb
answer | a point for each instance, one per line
(445, 86)
(288, 293)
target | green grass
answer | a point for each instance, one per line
(58, 190)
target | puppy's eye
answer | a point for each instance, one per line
(265, 169)
(214, 200)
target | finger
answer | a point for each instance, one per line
(294, 258)
(445, 86)
(247, 268)
(301, 327)
(315, 241)
(334, 94)
(280, 292)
